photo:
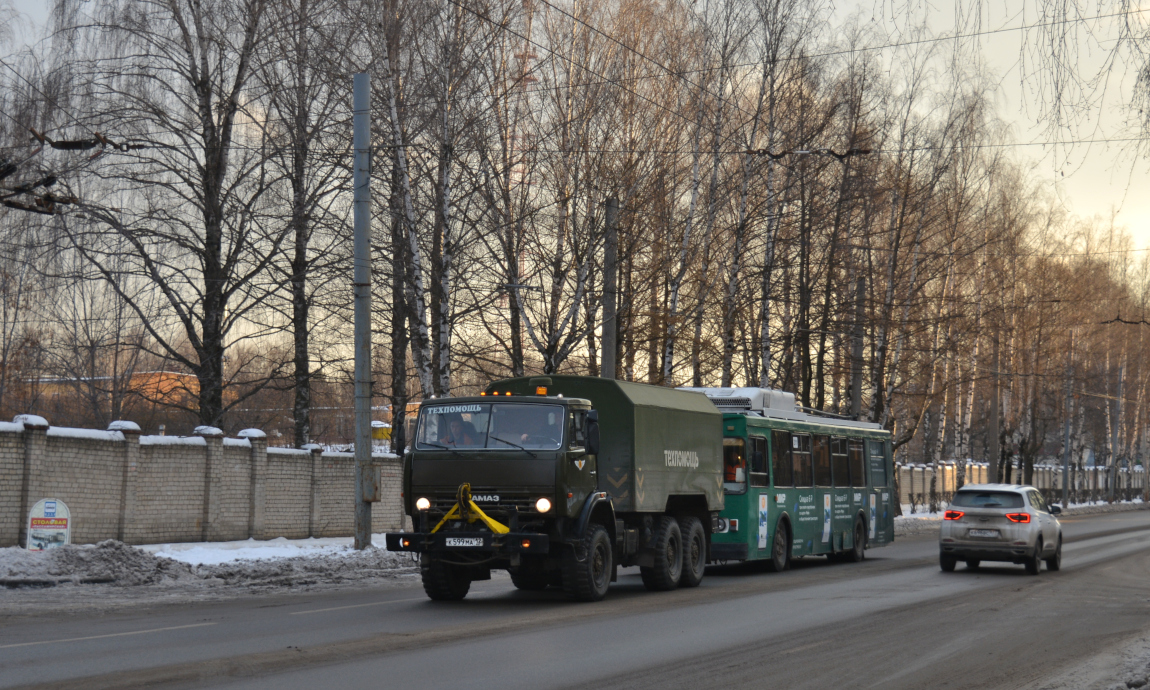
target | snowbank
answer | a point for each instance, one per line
(250, 564)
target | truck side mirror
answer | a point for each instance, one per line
(591, 432)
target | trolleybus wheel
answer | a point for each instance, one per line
(668, 568)
(587, 575)
(858, 549)
(780, 554)
(694, 551)
(443, 581)
(947, 562)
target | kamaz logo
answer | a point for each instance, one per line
(485, 498)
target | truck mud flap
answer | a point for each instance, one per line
(464, 542)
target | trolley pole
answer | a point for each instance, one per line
(365, 486)
(610, 291)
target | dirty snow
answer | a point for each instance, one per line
(112, 574)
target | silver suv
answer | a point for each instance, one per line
(1000, 522)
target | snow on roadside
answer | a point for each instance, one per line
(920, 523)
(273, 564)
(215, 553)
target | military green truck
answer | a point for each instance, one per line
(561, 480)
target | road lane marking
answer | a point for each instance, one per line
(97, 637)
(356, 606)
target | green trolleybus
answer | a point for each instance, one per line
(798, 484)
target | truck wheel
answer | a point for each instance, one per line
(694, 551)
(588, 579)
(668, 568)
(443, 581)
(858, 551)
(780, 554)
(529, 581)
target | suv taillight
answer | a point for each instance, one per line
(953, 515)
(1018, 517)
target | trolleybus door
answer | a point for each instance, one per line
(842, 502)
(804, 500)
(881, 494)
(759, 494)
(824, 493)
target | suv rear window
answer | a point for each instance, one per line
(987, 499)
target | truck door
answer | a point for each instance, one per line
(580, 469)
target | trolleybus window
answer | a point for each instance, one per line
(801, 454)
(877, 463)
(839, 462)
(734, 466)
(822, 457)
(858, 469)
(759, 476)
(781, 458)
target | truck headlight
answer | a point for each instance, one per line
(422, 503)
(543, 505)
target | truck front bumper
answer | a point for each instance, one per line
(469, 542)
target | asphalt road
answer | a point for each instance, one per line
(894, 621)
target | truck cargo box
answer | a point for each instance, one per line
(654, 442)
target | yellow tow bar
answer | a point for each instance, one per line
(465, 509)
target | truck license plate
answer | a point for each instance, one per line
(983, 533)
(464, 541)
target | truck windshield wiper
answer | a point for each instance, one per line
(503, 440)
(447, 448)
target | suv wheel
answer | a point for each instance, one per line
(1034, 563)
(1054, 563)
(947, 562)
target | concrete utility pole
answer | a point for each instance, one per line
(1066, 440)
(1112, 471)
(366, 490)
(995, 448)
(610, 291)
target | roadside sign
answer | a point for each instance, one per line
(49, 525)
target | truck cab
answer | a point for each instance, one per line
(560, 480)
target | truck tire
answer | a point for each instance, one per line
(588, 579)
(664, 575)
(443, 581)
(694, 551)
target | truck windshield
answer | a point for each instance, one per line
(490, 426)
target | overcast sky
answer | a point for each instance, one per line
(1090, 180)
